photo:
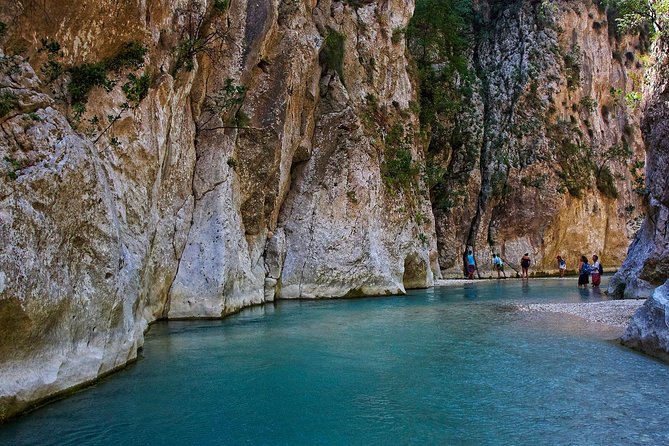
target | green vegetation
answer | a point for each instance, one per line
(536, 181)
(633, 99)
(640, 15)
(605, 179)
(572, 66)
(438, 37)
(13, 166)
(223, 102)
(198, 33)
(90, 75)
(398, 35)
(579, 164)
(399, 170)
(588, 104)
(438, 40)
(8, 102)
(332, 53)
(576, 167)
(221, 5)
(137, 87)
(639, 178)
(3, 29)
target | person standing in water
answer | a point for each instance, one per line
(596, 271)
(525, 264)
(471, 264)
(498, 264)
(583, 272)
(562, 265)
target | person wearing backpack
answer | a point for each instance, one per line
(562, 265)
(498, 263)
(583, 272)
(596, 271)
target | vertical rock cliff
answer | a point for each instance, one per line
(537, 161)
(647, 263)
(188, 159)
(645, 272)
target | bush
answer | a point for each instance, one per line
(606, 183)
(90, 75)
(8, 102)
(572, 66)
(588, 104)
(137, 88)
(398, 168)
(332, 53)
(221, 5)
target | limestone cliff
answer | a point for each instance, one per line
(188, 159)
(647, 263)
(527, 165)
(645, 273)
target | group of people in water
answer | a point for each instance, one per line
(585, 269)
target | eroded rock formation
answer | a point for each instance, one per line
(647, 263)
(254, 166)
(189, 159)
(523, 159)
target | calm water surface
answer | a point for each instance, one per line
(445, 366)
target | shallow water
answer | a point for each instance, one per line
(443, 366)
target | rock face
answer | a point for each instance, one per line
(525, 161)
(649, 330)
(647, 263)
(186, 159)
(255, 165)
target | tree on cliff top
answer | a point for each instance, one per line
(640, 14)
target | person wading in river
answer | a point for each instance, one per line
(562, 265)
(596, 271)
(471, 265)
(525, 264)
(498, 264)
(583, 272)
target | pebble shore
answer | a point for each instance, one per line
(615, 313)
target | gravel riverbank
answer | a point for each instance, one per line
(615, 313)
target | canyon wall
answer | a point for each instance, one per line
(527, 159)
(171, 160)
(647, 263)
(188, 159)
(645, 273)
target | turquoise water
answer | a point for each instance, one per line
(444, 366)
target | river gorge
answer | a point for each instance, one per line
(194, 159)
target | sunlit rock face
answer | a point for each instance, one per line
(550, 78)
(647, 263)
(254, 168)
